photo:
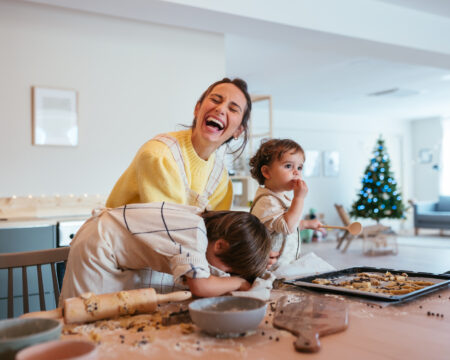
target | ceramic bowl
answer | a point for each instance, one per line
(60, 349)
(227, 316)
(16, 334)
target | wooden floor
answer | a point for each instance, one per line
(427, 253)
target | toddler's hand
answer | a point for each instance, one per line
(300, 188)
(313, 224)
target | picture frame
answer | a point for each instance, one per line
(425, 156)
(54, 116)
(331, 163)
(312, 165)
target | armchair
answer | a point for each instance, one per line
(432, 215)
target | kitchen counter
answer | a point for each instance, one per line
(39, 211)
(407, 331)
(27, 222)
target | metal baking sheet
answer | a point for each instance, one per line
(440, 280)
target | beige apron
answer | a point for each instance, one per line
(279, 241)
(193, 198)
(162, 282)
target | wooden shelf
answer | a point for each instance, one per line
(244, 186)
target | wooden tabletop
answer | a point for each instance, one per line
(419, 329)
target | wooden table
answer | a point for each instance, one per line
(374, 332)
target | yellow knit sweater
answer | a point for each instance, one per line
(154, 176)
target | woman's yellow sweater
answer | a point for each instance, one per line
(154, 176)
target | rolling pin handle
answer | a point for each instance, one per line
(174, 296)
(49, 314)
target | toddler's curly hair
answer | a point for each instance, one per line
(270, 150)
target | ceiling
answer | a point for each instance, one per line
(436, 7)
(372, 58)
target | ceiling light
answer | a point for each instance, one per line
(383, 92)
(395, 92)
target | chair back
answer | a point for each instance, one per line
(27, 259)
(345, 218)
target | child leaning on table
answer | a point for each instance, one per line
(277, 166)
(120, 249)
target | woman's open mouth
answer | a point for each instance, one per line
(214, 124)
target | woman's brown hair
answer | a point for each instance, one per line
(271, 150)
(249, 240)
(241, 85)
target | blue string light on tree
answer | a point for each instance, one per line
(379, 197)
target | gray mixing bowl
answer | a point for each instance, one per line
(227, 316)
(16, 334)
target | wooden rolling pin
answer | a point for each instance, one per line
(90, 307)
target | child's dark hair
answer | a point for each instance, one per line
(270, 150)
(249, 240)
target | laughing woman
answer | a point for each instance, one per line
(185, 167)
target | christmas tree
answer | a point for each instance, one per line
(379, 197)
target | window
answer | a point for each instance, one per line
(445, 158)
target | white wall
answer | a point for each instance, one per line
(354, 139)
(134, 80)
(426, 135)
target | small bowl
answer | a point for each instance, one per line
(227, 316)
(60, 349)
(15, 334)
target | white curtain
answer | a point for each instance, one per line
(445, 158)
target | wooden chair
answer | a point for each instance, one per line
(32, 258)
(368, 232)
(345, 218)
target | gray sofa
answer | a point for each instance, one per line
(432, 215)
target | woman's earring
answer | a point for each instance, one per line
(235, 137)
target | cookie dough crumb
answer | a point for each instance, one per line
(187, 328)
(90, 303)
(94, 336)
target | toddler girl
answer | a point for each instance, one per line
(277, 165)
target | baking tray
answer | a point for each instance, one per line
(440, 280)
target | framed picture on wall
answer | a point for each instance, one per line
(55, 116)
(312, 165)
(331, 163)
(425, 156)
